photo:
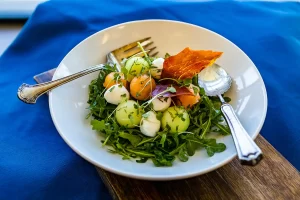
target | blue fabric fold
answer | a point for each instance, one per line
(35, 163)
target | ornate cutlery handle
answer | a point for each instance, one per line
(248, 152)
(30, 93)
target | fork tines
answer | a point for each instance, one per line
(133, 48)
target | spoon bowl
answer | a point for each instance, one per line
(214, 80)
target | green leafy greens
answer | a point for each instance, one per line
(164, 147)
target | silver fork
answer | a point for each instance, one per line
(30, 93)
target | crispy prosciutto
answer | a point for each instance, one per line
(187, 63)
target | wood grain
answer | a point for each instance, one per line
(274, 178)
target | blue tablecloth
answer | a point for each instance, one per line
(35, 163)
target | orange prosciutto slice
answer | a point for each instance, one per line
(188, 63)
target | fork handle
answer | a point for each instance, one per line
(248, 152)
(30, 93)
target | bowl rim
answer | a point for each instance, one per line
(157, 177)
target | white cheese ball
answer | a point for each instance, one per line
(150, 125)
(161, 104)
(116, 94)
(157, 65)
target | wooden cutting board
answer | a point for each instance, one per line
(274, 178)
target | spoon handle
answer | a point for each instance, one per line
(30, 93)
(248, 152)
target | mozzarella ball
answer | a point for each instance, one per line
(150, 125)
(116, 94)
(161, 104)
(157, 66)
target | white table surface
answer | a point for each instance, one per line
(8, 33)
(17, 9)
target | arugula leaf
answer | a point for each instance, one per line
(191, 148)
(142, 160)
(210, 145)
(205, 127)
(159, 115)
(124, 71)
(227, 99)
(175, 151)
(224, 130)
(162, 159)
(146, 140)
(163, 139)
(141, 153)
(120, 150)
(202, 91)
(106, 140)
(176, 139)
(217, 115)
(98, 125)
(183, 155)
(217, 104)
(195, 80)
(133, 139)
(187, 82)
(216, 148)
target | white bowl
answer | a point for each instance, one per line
(68, 102)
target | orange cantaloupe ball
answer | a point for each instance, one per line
(141, 87)
(187, 101)
(110, 80)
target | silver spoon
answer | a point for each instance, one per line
(215, 82)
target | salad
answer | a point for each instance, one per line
(154, 108)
